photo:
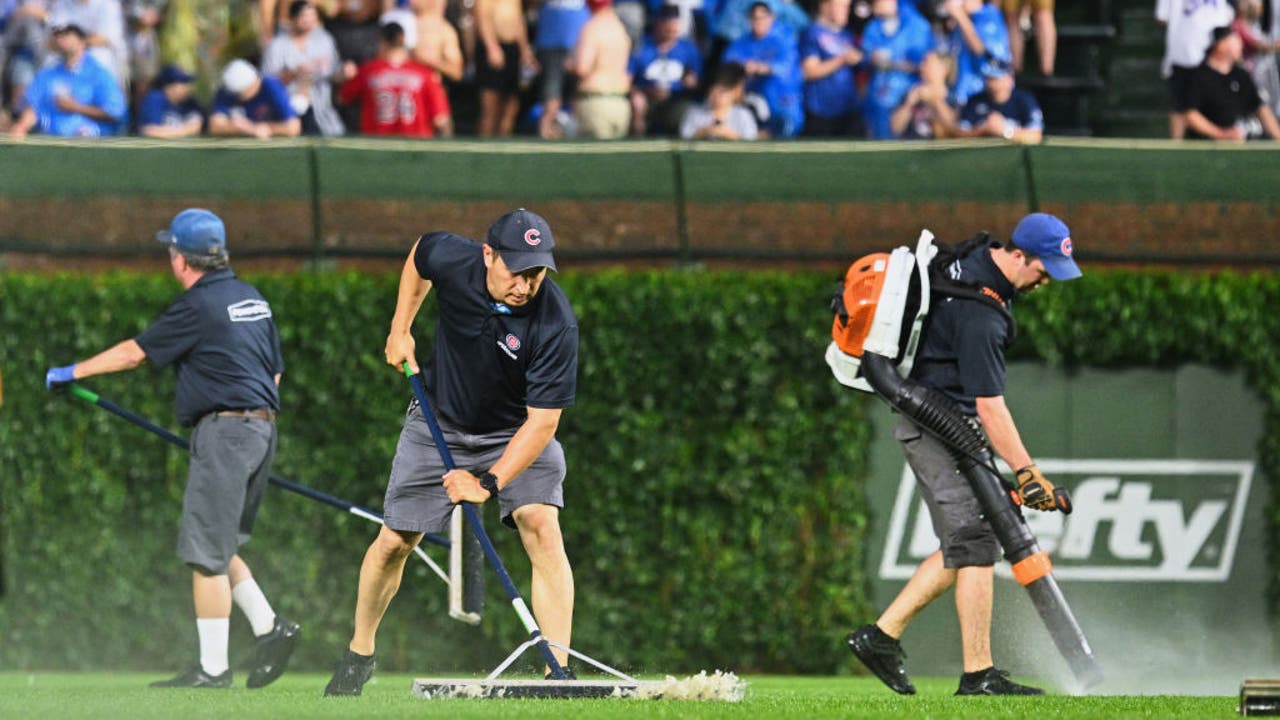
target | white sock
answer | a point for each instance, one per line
(213, 644)
(249, 598)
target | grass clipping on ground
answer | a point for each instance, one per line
(719, 685)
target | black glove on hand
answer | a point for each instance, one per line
(1035, 490)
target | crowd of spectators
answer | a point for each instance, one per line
(725, 69)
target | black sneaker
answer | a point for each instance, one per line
(196, 677)
(352, 672)
(883, 656)
(993, 682)
(569, 674)
(271, 653)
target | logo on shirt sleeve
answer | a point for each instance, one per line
(249, 311)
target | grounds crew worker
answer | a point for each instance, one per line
(504, 366)
(221, 340)
(962, 355)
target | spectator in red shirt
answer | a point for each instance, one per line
(398, 95)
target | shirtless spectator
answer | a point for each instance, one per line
(600, 60)
(438, 47)
(504, 57)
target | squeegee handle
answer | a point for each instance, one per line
(473, 519)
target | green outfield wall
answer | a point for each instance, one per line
(1127, 201)
(728, 504)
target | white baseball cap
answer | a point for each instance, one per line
(239, 76)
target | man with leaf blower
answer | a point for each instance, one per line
(220, 337)
(961, 355)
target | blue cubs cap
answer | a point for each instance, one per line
(171, 74)
(1048, 238)
(996, 67)
(523, 240)
(195, 231)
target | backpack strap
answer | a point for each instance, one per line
(943, 284)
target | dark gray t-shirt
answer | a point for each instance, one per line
(221, 338)
(962, 351)
(491, 362)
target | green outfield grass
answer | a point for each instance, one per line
(126, 695)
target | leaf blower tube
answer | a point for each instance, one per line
(937, 414)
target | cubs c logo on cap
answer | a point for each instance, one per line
(1066, 246)
(512, 341)
(533, 236)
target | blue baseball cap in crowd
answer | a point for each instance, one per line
(523, 240)
(1048, 238)
(171, 74)
(195, 231)
(996, 67)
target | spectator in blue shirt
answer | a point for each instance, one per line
(979, 34)
(772, 61)
(253, 105)
(894, 43)
(1001, 110)
(168, 110)
(74, 97)
(828, 56)
(664, 73)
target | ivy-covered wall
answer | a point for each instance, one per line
(715, 508)
(714, 502)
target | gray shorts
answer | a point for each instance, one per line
(553, 73)
(230, 463)
(967, 540)
(416, 500)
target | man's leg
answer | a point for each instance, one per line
(552, 587)
(1017, 39)
(211, 596)
(247, 596)
(490, 102)
(274, 637)
(379, 580)
(877, 646)
(380, 575)
(973, 606)
(510, 110)
(929, 581)
(1046, 38)
(212, 599)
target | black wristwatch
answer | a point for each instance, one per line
(489, 482)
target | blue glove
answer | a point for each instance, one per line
(59, 377)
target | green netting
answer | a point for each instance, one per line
(949, 172)
(518, 172)
(133, 167)
(1155, 172)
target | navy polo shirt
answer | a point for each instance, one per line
(221, 339)
(962, 350)
(490, 361)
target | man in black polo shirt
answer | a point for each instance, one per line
(503, 367)
(962, 355)
(222, 342)
(1222, 100)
